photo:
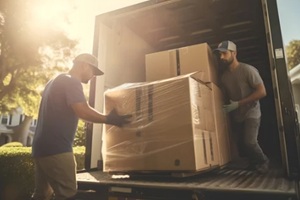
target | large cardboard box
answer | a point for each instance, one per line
(221, 134)
(162, 65)
(212, 147)
(185, 60)
(172, 128)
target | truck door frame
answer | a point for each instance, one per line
(285, 107)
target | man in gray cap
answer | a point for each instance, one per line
(244, 87)
(63, 103)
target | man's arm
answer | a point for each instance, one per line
(260, 92)
(86, 112)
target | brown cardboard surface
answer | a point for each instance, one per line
(211, 148)
(221, 124)
(163, 134)
(166, 64)
(178, 124)
(199, 57)
(161, 65)
(220, 121)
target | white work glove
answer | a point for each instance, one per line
(231, 107)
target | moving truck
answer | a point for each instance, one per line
(122, 40)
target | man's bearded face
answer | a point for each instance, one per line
(226, 59)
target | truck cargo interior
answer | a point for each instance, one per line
(174, 24)
(123, 37)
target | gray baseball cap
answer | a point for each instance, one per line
(91, 60)
(225, 46)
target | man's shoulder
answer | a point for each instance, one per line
(247, 67)
(66, 78)
(62, 77)
(242, 64)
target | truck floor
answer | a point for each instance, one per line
(220, 181)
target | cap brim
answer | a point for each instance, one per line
(221, 49)
(97, 71)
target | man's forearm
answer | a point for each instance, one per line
(87, 113)
(92, 115)
(259, 93)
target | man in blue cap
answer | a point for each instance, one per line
(244, 87)
(63, 103)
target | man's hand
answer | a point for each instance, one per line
(231, 107)
(118, 120)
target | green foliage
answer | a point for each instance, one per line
(32, 52)
(79, 139)
(12, 144)
(79, 153)
(293, 53)
(17, 171)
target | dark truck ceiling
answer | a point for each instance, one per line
(168, 24)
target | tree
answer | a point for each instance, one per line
(80, 139)
(293, 53)
(31, 52)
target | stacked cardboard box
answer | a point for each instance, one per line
(170, 129)
(199, 57)
(178, 123)
(185, 60)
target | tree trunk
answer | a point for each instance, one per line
(22, 130)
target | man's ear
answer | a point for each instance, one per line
(85, 66)
(234, 53)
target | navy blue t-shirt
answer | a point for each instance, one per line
(57, 122)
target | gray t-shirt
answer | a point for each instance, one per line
(239, 84)
(57, 121)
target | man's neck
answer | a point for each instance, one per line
(75, 74)
(234, 65)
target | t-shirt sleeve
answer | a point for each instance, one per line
(254, 77)
(74, 92)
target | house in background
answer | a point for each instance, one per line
(294, 75)
(8, 121)
(14, 120)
